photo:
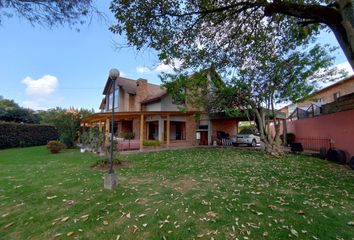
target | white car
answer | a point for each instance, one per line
(251, 138)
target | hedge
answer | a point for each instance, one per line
(25, 135)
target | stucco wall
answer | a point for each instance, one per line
(339, 127)
(156, 106)
(167, 104)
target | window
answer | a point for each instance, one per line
(336, 96)
(177, 130)
(110, 100)
(320, 100)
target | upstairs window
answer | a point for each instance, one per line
(336, 96)
(320, 100)
(110, 100)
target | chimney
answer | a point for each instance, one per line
(141, 90)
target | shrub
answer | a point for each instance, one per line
(55, 146)
(151, 143)
(290, 138)
(25, 135)
(128, 135)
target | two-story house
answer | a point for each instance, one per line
(149, 112)
(323, 96)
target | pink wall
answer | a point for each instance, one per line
(339, 127)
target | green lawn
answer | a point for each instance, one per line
(184, 194)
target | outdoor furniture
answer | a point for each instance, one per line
(223, 138)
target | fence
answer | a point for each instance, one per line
(314, 144)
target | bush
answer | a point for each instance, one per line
(128, 135)
(25, 135)
(290, 138)
(55, 146)
(151, 143)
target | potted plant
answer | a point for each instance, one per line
(128, 136)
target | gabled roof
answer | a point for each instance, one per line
(155, 92)
(128, 85)
(155, 97)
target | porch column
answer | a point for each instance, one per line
(100, 126)
(161, 133)
(168, 130)
(141, 131)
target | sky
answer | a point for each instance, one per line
(42, 67)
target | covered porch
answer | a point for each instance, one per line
(168, 128)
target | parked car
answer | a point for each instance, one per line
(247, 136)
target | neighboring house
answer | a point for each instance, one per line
(150, 113)
(323, 96)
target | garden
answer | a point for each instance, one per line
(182, 194)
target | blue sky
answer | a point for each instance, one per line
(43, 68)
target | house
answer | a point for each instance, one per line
(150, 113)
(323, 96)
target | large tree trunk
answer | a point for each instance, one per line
(346, 38)
(272, 145)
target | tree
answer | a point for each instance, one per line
(12, 112)
(67, 121)
(48, 12)
(183, 29)
(8, 104)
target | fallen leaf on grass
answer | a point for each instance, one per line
(8, 225)
(105, 223)
(301, 212)
(5, 215)
(211, 214)
(57, 235)
(272, 207)
(351, 223)
(65, 219)
(128, 215)
(294, 232)
(51, 197)
(69, 234)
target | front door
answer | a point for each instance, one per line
(203, 138)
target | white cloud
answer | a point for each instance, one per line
(346, 66)
(40, 92)
(42, 87)
(143, 70)
(123, 74)
(161, 67)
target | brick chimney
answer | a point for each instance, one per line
(141, 91)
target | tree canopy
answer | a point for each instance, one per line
(264, 49)
(48, 12)
(195, 30)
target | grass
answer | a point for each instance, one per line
(184, 194)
